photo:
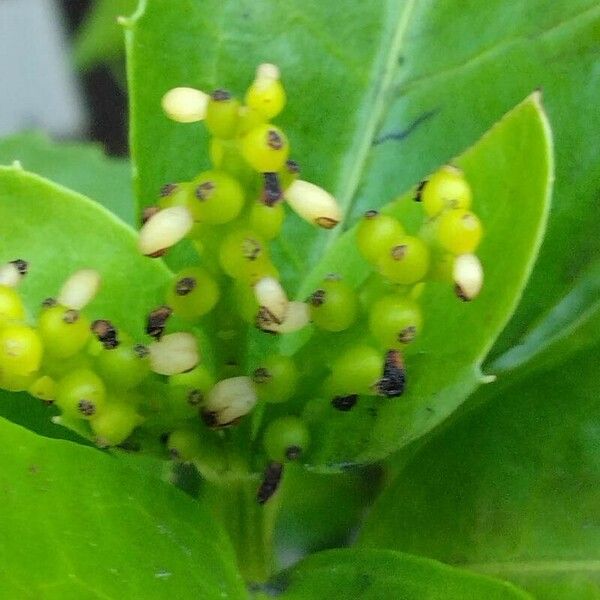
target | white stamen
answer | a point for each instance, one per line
(185, 105)
(230, 399)
(297, 316)
(174, 353)
(267, 71)
(164, 229)
(313, 204)
(468, 276)
(10, 275)
(271, 295)
(79, 289)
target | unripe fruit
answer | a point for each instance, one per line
(174, 353)
(289, 173)
(334, 306)
(125, 366)
(193, 293)
(286, 438)
(11, 305)
(276, 379)
(406, 261)
(468, 276)
(375, 234)
(218, 198)
(43, 388)
(188, 390)
(243, 255)
(395, 321)
(356, 371)
(446, 188)
(115, 423)
(64, 331)
(222, 114)
(265, 148)
(266, 220)
(184, 445)
(164, 229)
(185, 105)
(20, 350)
(459, 231)
(313, 204)
(266, 94)
(176, 194)
(228, 401)
(81, 394)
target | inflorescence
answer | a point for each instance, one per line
(116, 389)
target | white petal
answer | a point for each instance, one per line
(271, 295)
(468, 276)
(164, 229)
(10, 275)
(79, 289)
(174, 353)
(185, 105)
(230, 399)
(297, 316)
(313, 204)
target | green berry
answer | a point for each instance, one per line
(356, 371)
(184, 444)
(81, 394)
(21, 351)
(267, 96)
(243, 255)
(115, 423)
(288, 174)
(244, 301)
(286, 438)
(276, 379)
(334, 306)
(266, 220)
(11, 305)
(187, 391)
(405, 261)
(265, 148)
(217, 198)
(249, 118)
(375, 233)
(222, 114)
(446, 188)
(65, 332)
(43, 388)
(395, 321)
(125, 366)
(193, 293)
(175, 194)
(459, 231)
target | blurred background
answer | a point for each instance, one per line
(69, 77)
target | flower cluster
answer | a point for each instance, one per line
(117, 388)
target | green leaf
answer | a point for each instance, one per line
(76, 523)
(512, 489)
(510, 170)
(80, 167)
(59, 231)
(391, 92)
(99, 38)
(376, 574)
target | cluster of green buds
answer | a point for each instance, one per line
(117, 390)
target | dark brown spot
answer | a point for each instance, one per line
(49, 303)
(86, 407)
(344, 403)
(70, 316)
(270, 482)
(274, 140)
(265, 320)
(371, 214)
(272, 192)
(292, 167)
(174, 454)
(293, 452)
(460, 293)
(398, 252)
(195, 397)
(167, 189)
(419, 190)
(158, 253)
(157, 320)
(407, 335)
(326, 222)
(317, 298)
(211, 419)
(221, 95)
(149, 212)
(205, 190)
(106, 333)
(251, 249)
(141, 351)
(333, 277)
(393, 380)
(22, 265)
(261, 375)
(184, 286)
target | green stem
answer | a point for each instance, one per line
(250, 526)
